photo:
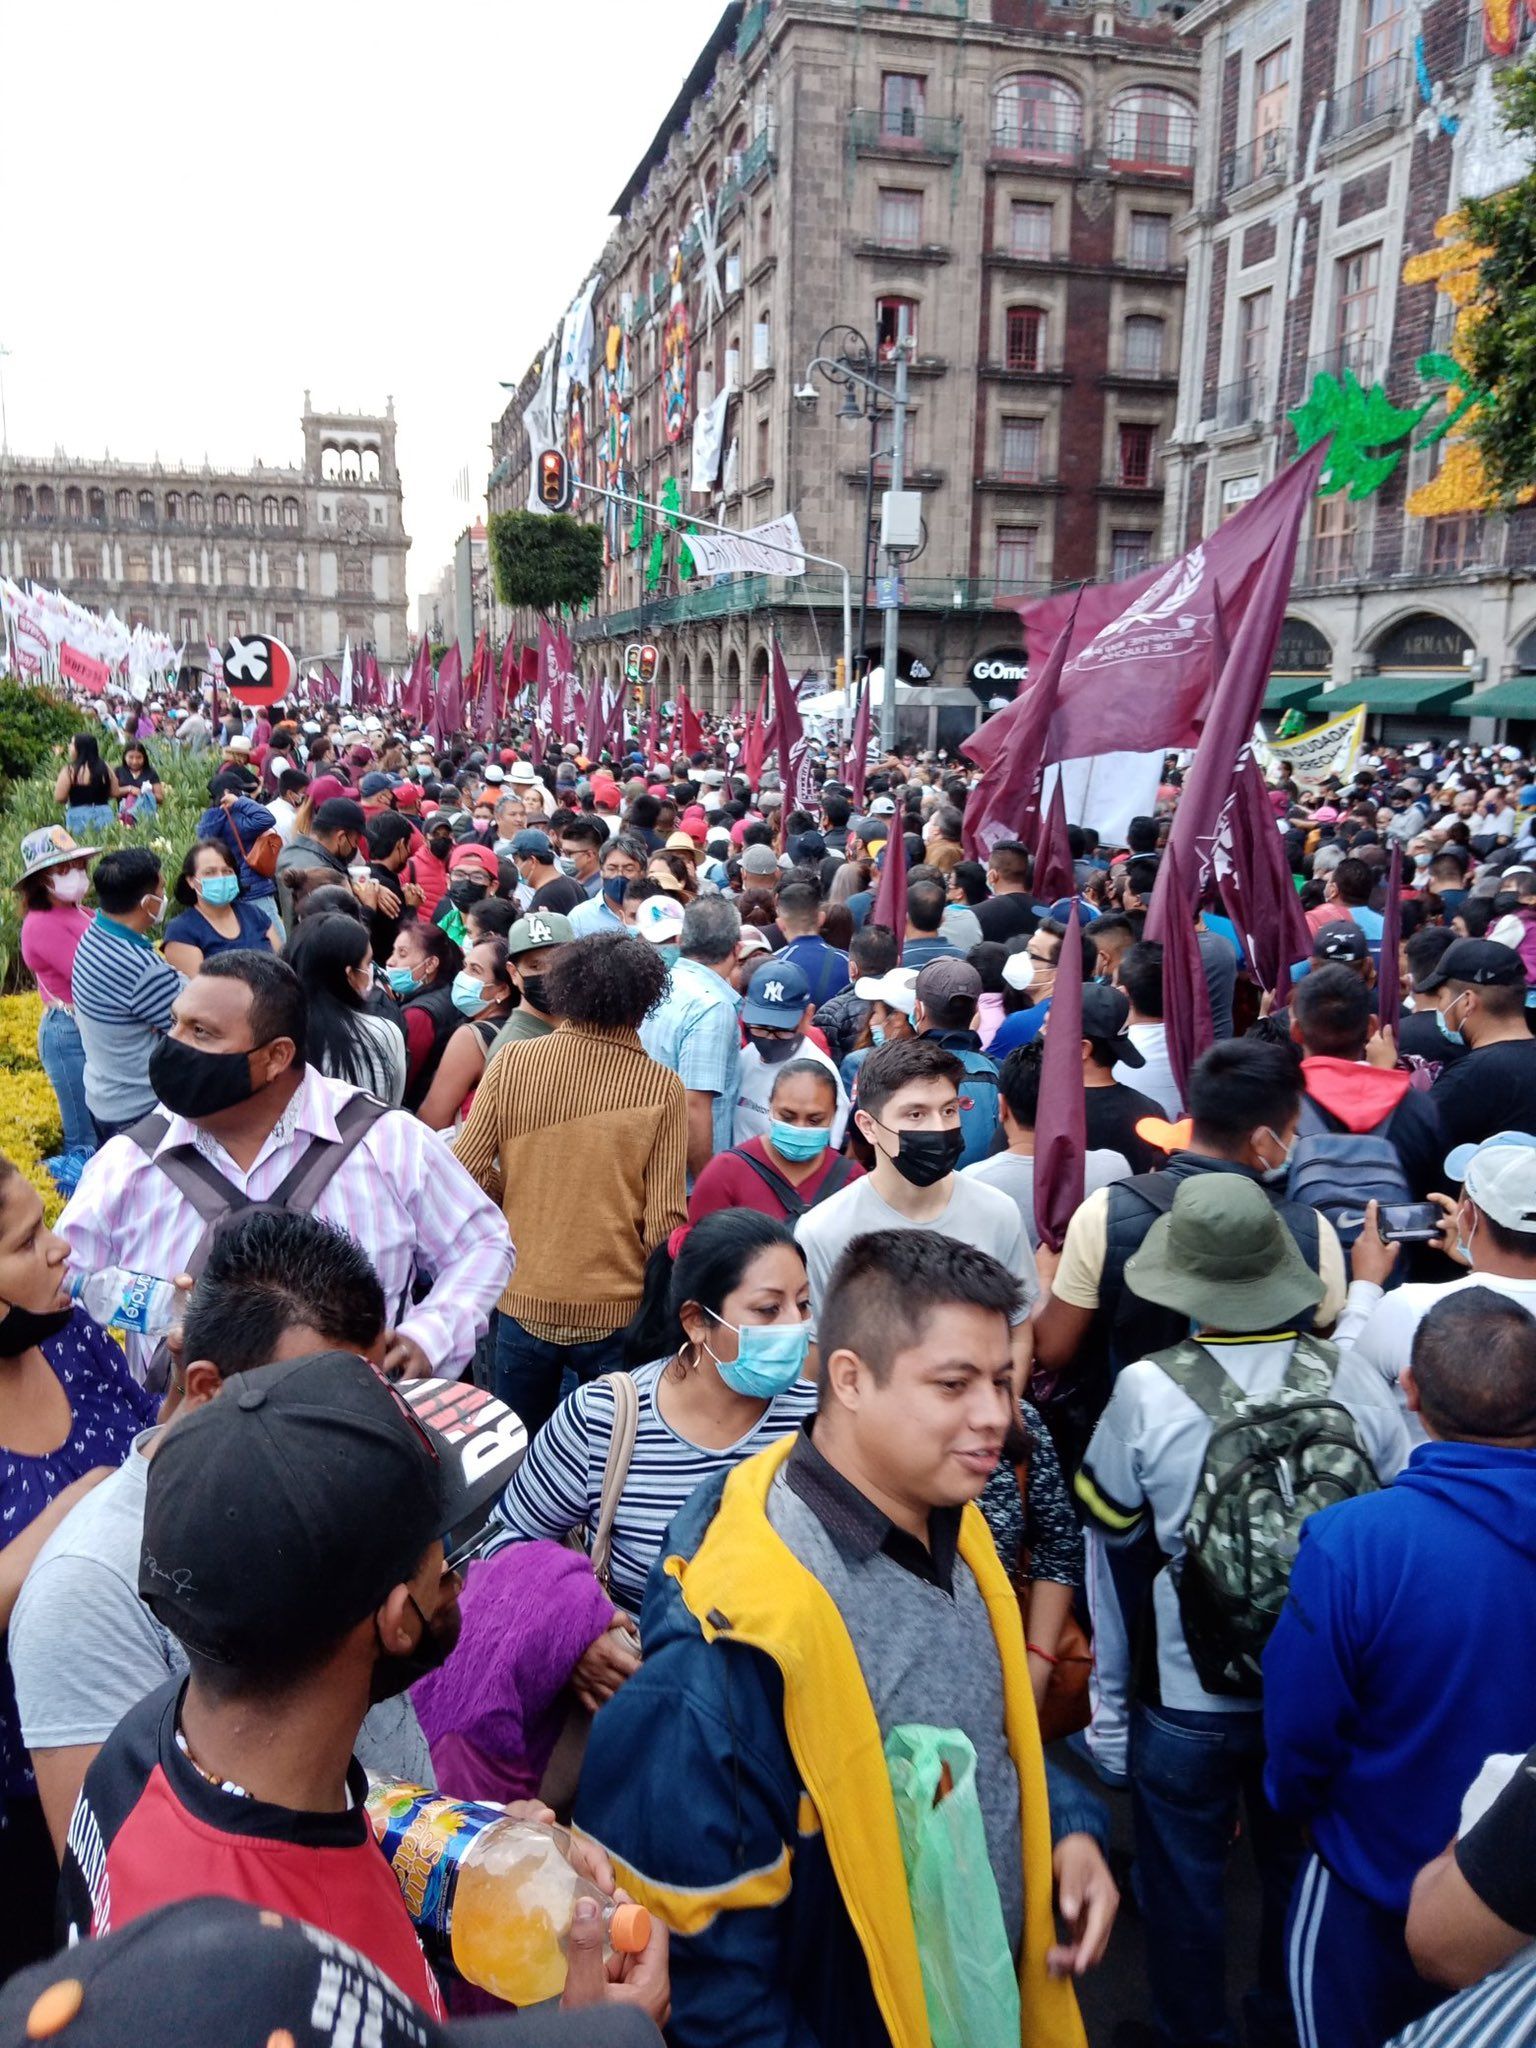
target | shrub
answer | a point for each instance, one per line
(30, 1130)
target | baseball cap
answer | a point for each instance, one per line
(1483, 963)
(883, 807)
(218, 1973)
(1342, 940)
(948, 990)
(776, 995)
(752, 940)
(473, 854)
(1106, 1012)
(1501, 1178)
(897, 989)
(759, 860)
(530, 844)
(341, 814)
(660, 919)
(374, 784)
(319, 1468)
(538, 928)
(1459, 1161)
(494, 772)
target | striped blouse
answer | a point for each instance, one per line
(559, 1485)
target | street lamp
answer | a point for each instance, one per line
(843, 368)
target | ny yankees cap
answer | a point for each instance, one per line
(776, 995)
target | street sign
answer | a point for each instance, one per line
(888, 593)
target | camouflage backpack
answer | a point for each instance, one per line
(1272, 1461)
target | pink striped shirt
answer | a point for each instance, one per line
(400, 1194)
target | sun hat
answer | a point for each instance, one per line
(50, 846)
(1223, 1257)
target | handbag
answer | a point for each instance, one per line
(562, 1774)
(1067, 1706)
(261, 858)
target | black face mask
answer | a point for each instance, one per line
(393, 1675)
(924, 1157)
(462, 895)
(193, 1083)
(774, 1051)
(536, 992)
(21, 1328)
(441, 844)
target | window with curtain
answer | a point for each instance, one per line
(1037, 116)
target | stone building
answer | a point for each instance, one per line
(1336, 139)
(1006, 174)
(312, 554)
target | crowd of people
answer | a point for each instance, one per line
(860, 1556)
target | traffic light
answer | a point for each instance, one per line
(647, 664)
(554, 481)
(632, 662)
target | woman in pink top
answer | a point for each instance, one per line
(52, 884)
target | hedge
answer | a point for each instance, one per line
(30, 1130)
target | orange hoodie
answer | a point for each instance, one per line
(1359, 1095)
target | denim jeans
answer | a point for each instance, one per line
(62, 1053)
(533, 1376)
(1191, 1774)
(81, 820)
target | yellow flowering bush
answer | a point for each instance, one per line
(30, 1130)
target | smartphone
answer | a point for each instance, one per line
(1409, 1222)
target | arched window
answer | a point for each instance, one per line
(125, 504)
(1039, 117)
(290, 511)
(242, 510)
(146, 508)
(173, 508)
(1144, 337)
(330, 464)
(197, 510)
(1152, 127)
(351, 466)
(21, 501)
(74, 504)
(269, 511)
(223, 511)
(370, 465)
(97, 501)
(47, 504)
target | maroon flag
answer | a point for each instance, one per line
(754, 745)
(858, 750)
(1186, 998)
(330, 687)
(794, 749)
(1389, 998)
(1061, 1137)
(891, 895)
(1010, 750)
(416, 701)
(507, 677)
(687, 733)
(480, 702)
(1255, 883)
(547, 714)
(597, 719)
(448, 700)
(1055, 875)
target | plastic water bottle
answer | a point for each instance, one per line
(494, 1895)
(118, 1298)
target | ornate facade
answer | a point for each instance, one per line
(313, 554)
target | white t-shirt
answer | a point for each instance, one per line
(1014, 1174)
(1378, 1328)
(975, 1214)
(283, 817)
(755, 1084)
(1155, 1077)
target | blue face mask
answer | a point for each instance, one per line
(401, 980)
(798, 1141)
(219, 888)
(613, 889)
(469, 995)
(1448, 1030)
(877, 1034)
(769, 1358)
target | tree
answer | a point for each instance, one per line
(546, 561)
(1500, 349)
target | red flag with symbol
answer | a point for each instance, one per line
(1061, 1136)
(1010, 750)
(1186, 995)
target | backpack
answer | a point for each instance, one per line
(218, 1201)
(795, 1204)
(978, 1123)
(1338, 1172)
(1272, 1461)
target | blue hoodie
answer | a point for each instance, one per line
(1403, 1658)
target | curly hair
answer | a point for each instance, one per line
(609, 981)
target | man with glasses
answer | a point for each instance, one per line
(1029, 979)
(623, 861)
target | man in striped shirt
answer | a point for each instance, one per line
(232, 1076)
(123, 989)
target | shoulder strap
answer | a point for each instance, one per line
(1156, 1190)
(621, 1448)
(839, 1173)
(211, 1195)
(148, 1132)
(793, 1201)
(1312, 1123)
(1312, 1367)
(322, 1157)
(1192, 1369)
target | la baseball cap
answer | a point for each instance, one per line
(1482, 963)
(538, 928)
(948, 991)
(776, 995)
(284, 1511)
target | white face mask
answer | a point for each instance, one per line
(71, 886)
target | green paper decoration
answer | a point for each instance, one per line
(1291, 724)
(1370, 433)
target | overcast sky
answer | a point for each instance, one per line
(225, 206)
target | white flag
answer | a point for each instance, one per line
(708, 434)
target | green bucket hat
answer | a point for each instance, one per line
(1223, 1257)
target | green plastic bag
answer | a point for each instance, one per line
(969, 1982)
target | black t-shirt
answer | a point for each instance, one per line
(562, 896)
(1418, 1033)
(1110, 1117)
(1497, 1857)
(1006, 917)
(1492, 1089)
(383, 930)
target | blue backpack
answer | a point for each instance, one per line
(1338, 1172)
(978, 1123)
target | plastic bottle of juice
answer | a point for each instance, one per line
(494, 1896)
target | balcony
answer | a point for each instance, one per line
(1152, 142)
(903, 132)
(1018, 141)
(1243, 403)
(1039, 366)
(1373, 101)
(753, 21)
(1262, 159)
(1015, 479)
(1356, 358)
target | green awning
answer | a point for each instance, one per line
(1416, 696)
(1515, 698)
(1284, 691)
